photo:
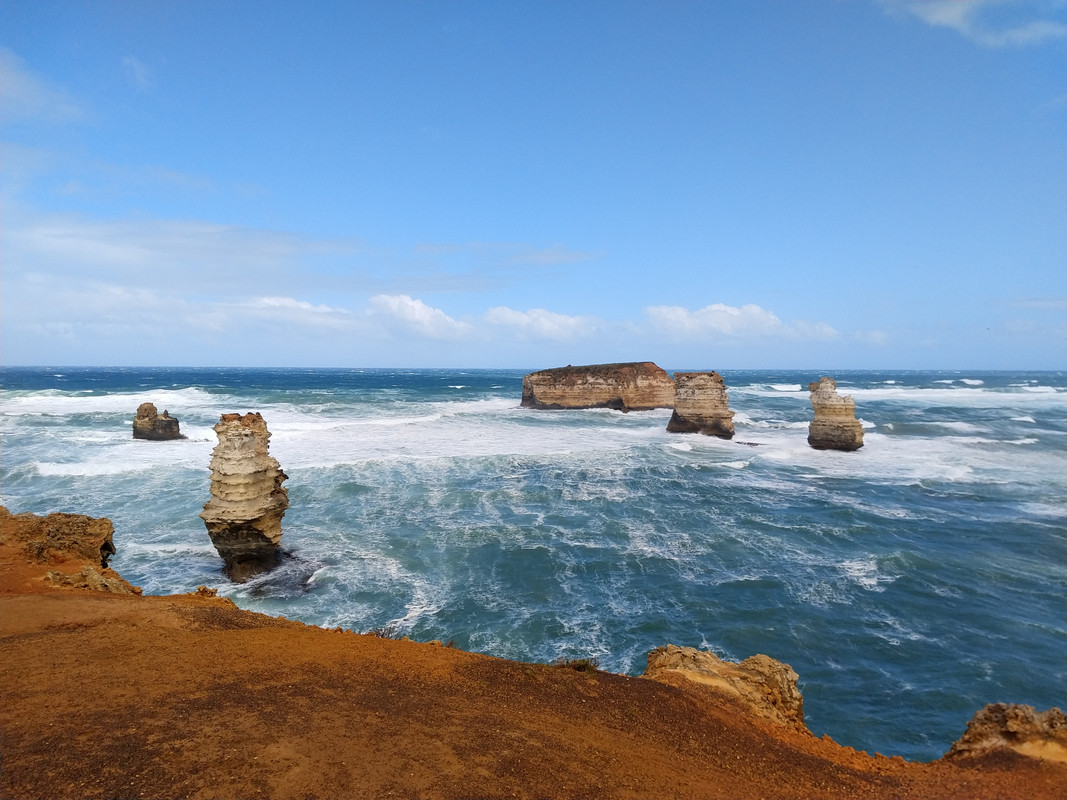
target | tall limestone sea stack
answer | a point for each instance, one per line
(835, 426)
(633, 386)
(244, 514)
(701, 405)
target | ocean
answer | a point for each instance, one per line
(908, 583)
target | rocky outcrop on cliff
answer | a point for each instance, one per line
(634, 386)
(701, 405)
(1039, 734)
(835, 426)
(768, 687)
(67, 540)
(244, 514)
(59, 537)
(149, 424)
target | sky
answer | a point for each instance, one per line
(740, 184)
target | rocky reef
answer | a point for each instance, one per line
(633, 386)
(149, 424)
(835, 426)
(244, 515)
(766, 687)
(1022, 729)
(701, 405)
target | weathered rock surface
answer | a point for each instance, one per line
(634, 386)
(67, 540)
(93, 579)
(768, 687)
(149, 424)
(701, 405)
(244, 514)
(59, 537)
(835, 426)
(1039, 734)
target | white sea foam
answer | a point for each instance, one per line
(972, 381)
(56, 403)
(1024, 418)
(865, 573)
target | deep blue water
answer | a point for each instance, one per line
(908, 583)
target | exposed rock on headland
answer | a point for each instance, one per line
(1025, 730)
(149, 424)
(701, 405)
(244, 514)
(59, 537)
(78, 546)
(835, 426)
(768, 688)
(633, 386)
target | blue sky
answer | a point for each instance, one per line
(810, 184)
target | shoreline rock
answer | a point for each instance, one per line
(631, 386)
(244, 515)
(62, 539)
(835, 426)
(701, 405)
(156, 427)
(1020, 728)
(767, 687)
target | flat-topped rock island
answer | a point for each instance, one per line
(630, 386)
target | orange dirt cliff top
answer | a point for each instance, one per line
(108, 694)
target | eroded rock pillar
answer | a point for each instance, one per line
(244, 515)
(701, 405)
(835, 426)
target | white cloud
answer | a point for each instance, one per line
(992, 23)
(747, 321)
(871, 337)
(295, 312)
(221, 257)
(542, 324)
(26, 96)
(415, 316)
(138, 73)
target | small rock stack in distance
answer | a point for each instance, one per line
(835, 426)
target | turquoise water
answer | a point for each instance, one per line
(908, 583)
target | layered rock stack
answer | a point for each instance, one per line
(701, 405)
(835, 426)
(244, 514)
(149, 424)
(634, 386)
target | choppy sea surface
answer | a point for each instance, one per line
(908, 583)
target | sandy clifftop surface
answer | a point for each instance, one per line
(109, 694)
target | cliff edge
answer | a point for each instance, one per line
(116, 695)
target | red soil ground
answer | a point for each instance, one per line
(122, 696)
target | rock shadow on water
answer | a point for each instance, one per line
(289, 577)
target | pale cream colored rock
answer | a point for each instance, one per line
(634, 386)
(768, 687)
(835, 426)
(244, 514)
(701, 405)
